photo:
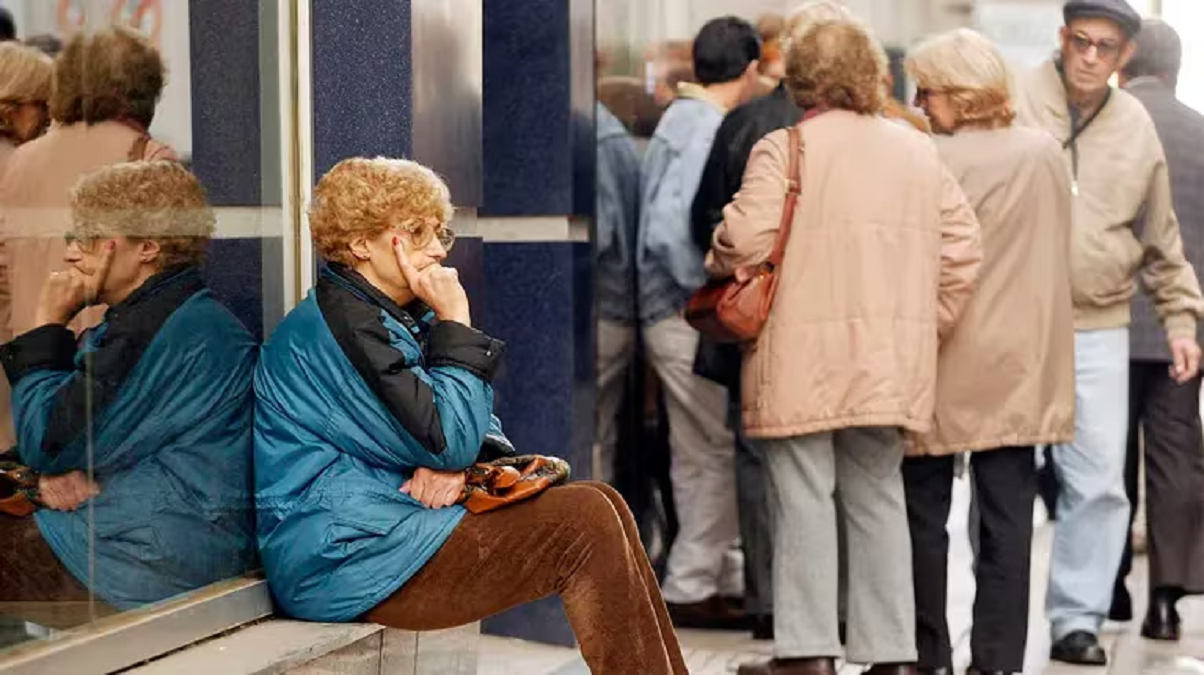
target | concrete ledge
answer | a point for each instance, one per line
(279, 647)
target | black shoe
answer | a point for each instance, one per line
(1162, 619)
(710, 614)
(1122, 606)
(974, 671)
(790, 667)
(921, 670)
(891, 669)
(1079, 648)
(762, 627)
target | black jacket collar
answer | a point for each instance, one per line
(414, 314)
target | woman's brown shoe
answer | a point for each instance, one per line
(822, 666)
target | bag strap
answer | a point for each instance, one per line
(793, 189)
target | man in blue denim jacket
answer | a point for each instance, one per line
(703, 563)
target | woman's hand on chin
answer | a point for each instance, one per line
(435, 489)
(437, 286)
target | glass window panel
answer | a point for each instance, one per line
(142, 260)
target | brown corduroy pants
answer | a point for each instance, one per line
(578, 541)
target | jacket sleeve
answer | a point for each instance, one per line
(445, 408)
(49, 407)
(961, 253)
(751, 222)
(496, 444)
(618, 194)
(1165, 272)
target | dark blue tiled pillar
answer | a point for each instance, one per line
(538, 163)
(226, 151)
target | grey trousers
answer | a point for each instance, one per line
(803, 474)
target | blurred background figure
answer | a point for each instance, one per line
(704, 565)
(772, 29)
(8, 27)
(1164, 416)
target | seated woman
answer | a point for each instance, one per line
(157, 399)
(368, 410)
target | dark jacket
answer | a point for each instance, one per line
(721, 179)
(1181, 131)
(734, 141)
(352, 394)
(157, 398)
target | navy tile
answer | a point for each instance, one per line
(540, 303)
(225, 83)
(361, 80)
(527, 143)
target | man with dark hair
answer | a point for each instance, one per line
(1167, 412)
(8, 28)
(1118, 172)
(670, 269)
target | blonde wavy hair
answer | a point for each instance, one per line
(158, 200)
(26, 76)
(968, 68)
(363, 197)
(837, 65)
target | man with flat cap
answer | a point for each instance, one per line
(1118, 172)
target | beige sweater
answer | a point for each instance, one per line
(1121, 174)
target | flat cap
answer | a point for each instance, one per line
(1119, 11)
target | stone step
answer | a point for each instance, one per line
(280, 646)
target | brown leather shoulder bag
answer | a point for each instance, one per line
(735, 309)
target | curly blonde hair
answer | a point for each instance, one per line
(159, 200)
(966, 67)
(363, 197)
(111, 74)
(837, 65)
(26, 76)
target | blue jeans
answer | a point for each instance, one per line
(1093, 510)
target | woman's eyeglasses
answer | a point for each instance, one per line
(423, 236)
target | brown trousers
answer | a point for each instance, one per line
(29, 570)
(578, 541)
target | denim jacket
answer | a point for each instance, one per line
(618, 218)
(670, 265)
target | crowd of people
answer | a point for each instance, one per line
(995, 281)
(998, 277)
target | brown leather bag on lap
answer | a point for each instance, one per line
(508, 480)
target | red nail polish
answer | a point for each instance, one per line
(112, 245)
(396, 240)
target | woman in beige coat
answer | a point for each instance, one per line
(1005, 378)
(107, 84)
(881, 259)
(26, 81)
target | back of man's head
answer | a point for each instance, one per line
(723, 50)
(1159, 53)
(8, 29)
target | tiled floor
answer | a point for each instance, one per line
(710, 653)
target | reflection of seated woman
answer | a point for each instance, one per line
(157, 398)
(366, 416)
